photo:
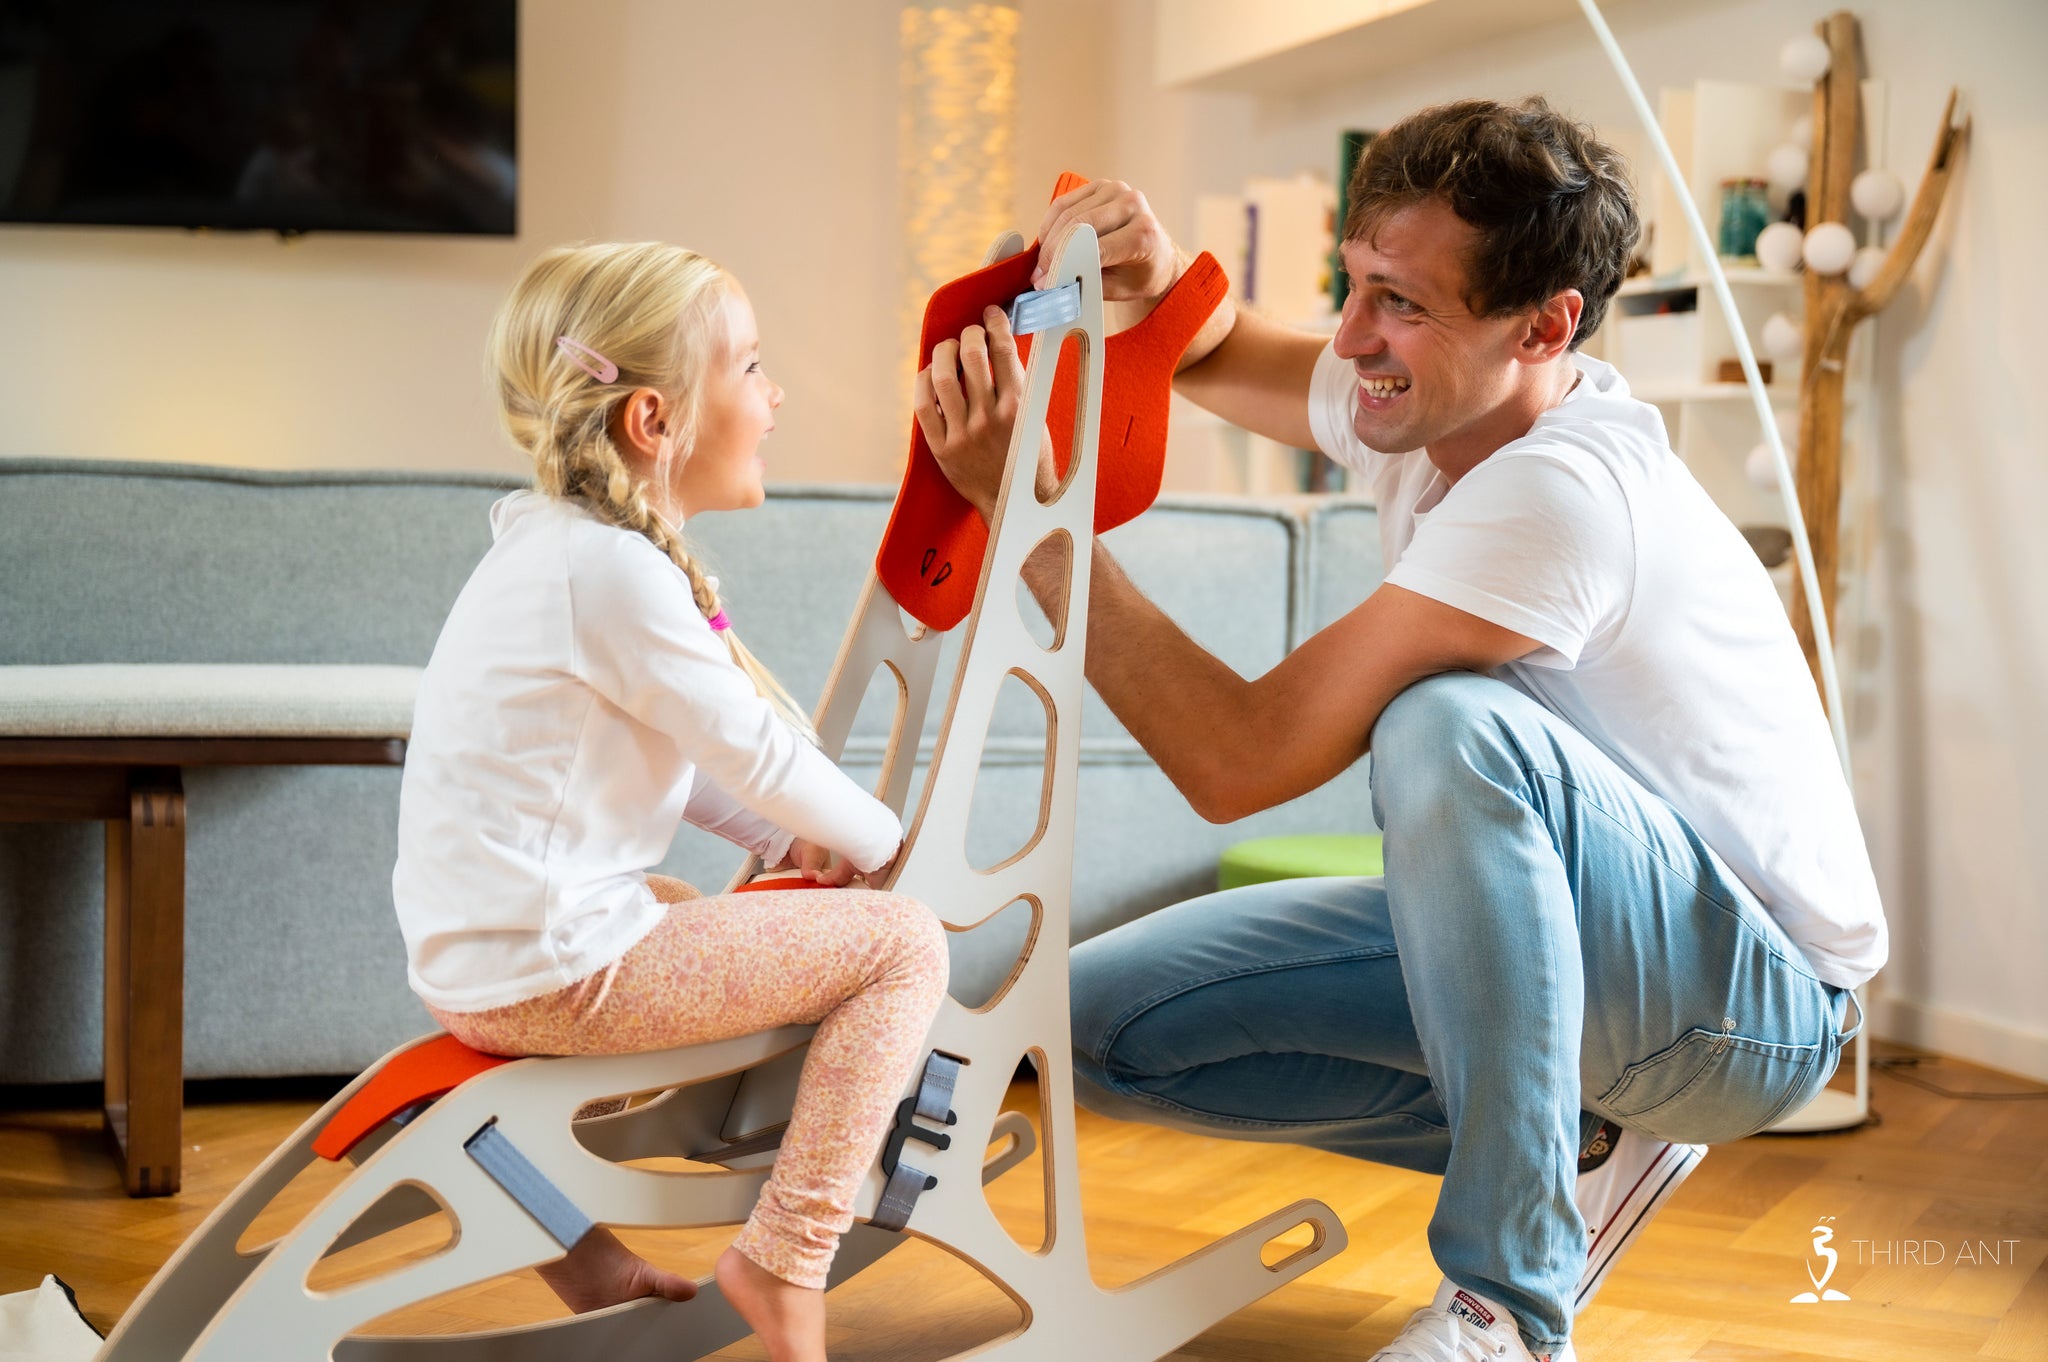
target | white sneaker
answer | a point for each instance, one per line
(1626, 1182)
(1463, 1326)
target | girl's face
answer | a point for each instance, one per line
(722, 472)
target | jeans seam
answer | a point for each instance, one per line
(1247, 1123)
(1733, 910)
(1122, 1021)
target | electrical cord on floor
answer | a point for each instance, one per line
(1894, 1065)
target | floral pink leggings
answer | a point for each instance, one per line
(867, 968)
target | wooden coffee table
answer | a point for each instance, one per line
(135, 785)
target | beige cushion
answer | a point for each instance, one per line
(178, 700)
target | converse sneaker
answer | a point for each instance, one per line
(1624, 1179)
(1464, 1326)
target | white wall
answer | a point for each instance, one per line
(764, 134)
(1948, 638)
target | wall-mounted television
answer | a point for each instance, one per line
(279, 115)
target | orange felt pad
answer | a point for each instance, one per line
(769, 886)
(931, 554)
(439, 1066)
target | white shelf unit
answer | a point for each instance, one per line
(1718, 130)
(1673, 360)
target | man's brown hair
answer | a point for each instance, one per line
(1551, 203)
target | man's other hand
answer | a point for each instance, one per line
(1140, 263)
(967, 401)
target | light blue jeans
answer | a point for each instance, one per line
(1551, 944)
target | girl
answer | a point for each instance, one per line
(586, 693)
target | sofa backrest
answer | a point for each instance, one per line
(148, 562)
(143, 562)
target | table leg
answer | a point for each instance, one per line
(145, 989)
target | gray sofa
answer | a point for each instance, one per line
(293, 960)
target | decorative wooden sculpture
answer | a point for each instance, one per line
(1834, 306)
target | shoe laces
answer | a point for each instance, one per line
(1439, 1336)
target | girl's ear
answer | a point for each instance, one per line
(640, 427)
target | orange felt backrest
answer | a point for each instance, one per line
(431, 1069)
(931, 554)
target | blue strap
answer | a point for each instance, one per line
(495, 1153)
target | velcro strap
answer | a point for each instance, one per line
(935, 1089)
(899, 1197)
(495, 1153)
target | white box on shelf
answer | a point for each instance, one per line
(1291, 242)
(1658, 350)
(1221, 229)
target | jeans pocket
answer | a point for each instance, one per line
(1714, 1086)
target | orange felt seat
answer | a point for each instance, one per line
(931, 554)
(429, 1070)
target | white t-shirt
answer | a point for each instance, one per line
(576, 708)
(1663, 640)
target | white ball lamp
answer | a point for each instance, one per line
(1760, 468)
(1778, 247)
(1865, 266)
(1802, 132)
(1785, 168)
(1878, 194)
(1783, 339)
(1829, 248)
(1804, 58)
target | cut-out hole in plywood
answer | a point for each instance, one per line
(1283, 1248)
(988, 957)
(389, 1236)
(1012, 799)
(1048, 629)
(1073, 355)
(878, 725)
(307, 1189)
(1020, 1199)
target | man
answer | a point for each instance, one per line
(1625, 895)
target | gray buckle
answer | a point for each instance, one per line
(933, 1101)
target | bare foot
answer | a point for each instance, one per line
(601, 1271)
(790, 1320)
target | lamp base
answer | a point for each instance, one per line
(1830, 1109)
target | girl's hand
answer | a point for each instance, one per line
(966, 402)
(820, 864)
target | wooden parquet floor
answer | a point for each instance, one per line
(1940, 1214)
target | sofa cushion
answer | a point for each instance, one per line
(191, 700)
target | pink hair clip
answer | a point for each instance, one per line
(719, 623)
(604, 371)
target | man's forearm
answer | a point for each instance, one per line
(1183, 704)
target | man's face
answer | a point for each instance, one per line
(1429, 372)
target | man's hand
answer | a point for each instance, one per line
(966, 402)
(1139, 260)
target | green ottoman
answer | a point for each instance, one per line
(1297, 858)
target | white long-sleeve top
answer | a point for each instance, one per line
(576, 708)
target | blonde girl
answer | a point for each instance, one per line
(586, 694)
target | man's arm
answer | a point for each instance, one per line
(1248, 370)
(1231, 747)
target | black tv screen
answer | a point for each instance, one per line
(282, 115)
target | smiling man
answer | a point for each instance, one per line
(1626, 895)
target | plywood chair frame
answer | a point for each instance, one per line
(724, 1102)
